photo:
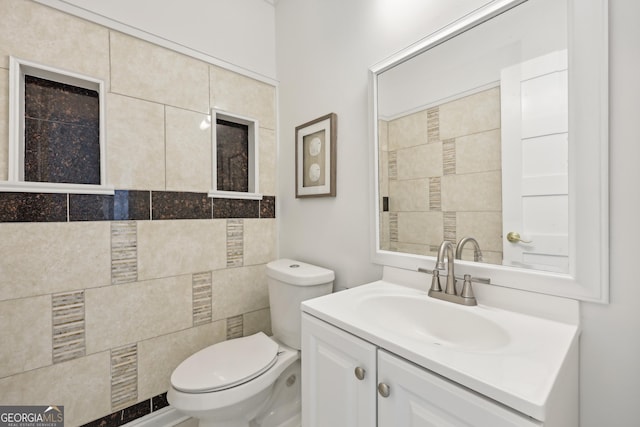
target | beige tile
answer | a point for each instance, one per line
(135, 144)
(81, 385)
(485, 227)
(480, 152)
(147, 71)
(268, 162)
(158, 357)
(188, 151)
(242, 95)
(409, 248)
(420, 161)
(257, 321)
(409, 195)
(384, 230)
(472, 192)
(33, 32)
(122, 314)
(44, 258)
(170, 248)
(408, 131)
(259, 241)
(239, 290)
(472, 114)
(25, 334)
(423, 228)
(383, 135)
(383, 173)
(4, 124)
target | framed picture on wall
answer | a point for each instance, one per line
(316, 157)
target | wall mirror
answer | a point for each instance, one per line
(495, 128)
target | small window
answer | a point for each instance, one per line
(235, 157)
(56, 133)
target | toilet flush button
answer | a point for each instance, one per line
(294, 266)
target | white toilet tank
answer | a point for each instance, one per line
(290, 283)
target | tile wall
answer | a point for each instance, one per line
(441, 177)
(102, 296)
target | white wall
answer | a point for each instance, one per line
(240, 34)
(324, 48)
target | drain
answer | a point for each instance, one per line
(291, 380)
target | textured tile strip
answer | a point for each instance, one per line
(124, 376)
(68, 326)
(124, 252)
(201, 283)
(236, 208)
(435, 194)
(449, 156)
(393, 226)
(450, 226)
(433, 124)
(235, 242)
(235, 325)
(393, 165)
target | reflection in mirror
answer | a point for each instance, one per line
(473, 142)
(495, 128)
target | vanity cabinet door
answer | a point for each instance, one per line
(333, 393)
(419, 398)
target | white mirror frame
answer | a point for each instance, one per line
(588, 277)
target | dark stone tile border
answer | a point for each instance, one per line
(131, 413)
(128, 205)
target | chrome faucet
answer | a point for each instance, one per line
(477, 253)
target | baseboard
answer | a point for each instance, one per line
(165, 417)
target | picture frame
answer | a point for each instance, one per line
(316, 157)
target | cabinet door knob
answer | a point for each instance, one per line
(383, 389)
(359, 373)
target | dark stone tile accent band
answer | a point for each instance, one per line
(158, 402)
(33, 207)
(236, 208)
(131, 413)
(90, 207)
(268, 207)
(136, 411)
(180, 205)
(128, 205)
(132, 205)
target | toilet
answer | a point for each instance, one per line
(254, 380)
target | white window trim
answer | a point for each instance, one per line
(254, 161)
(17, 70)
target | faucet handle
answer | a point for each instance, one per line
(435, 282)
(467, 290)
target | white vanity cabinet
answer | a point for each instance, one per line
(419, 398)
(334, 394)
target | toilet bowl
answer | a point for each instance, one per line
(255, 380)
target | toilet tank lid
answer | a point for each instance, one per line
(298, 273)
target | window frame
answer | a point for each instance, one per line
(254, 160)
(15, 182)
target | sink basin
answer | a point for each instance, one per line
(428, 320)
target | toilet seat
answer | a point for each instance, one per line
(228, 364)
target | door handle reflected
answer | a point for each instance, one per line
(514, 237)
